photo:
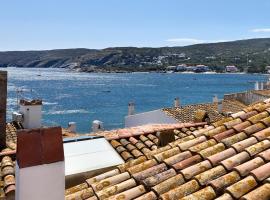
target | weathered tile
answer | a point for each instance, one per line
(169, 184)
(234, 139)
(181, 191)
(140, 176)
(142, 166)
(224, 135)
(185, 145)
(209, 175)
(246, 167)
(258, 147)
(240, 146)
(212, 150)
(129, 194)
(148, 196)
(187, 162)
(218, 157)
(261, 172)
(206, 193)
(260, 193)
(177, 158)
(158, 178)
(242, 187)
(235, 160)
(115, 189)
(198, 168)
(224, 181)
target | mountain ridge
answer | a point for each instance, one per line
(252, 52)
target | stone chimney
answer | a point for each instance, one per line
(3, 107)
(177, 102)
(131, 108)
(40, 166)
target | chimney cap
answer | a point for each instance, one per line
(39, 146)
(30, 103)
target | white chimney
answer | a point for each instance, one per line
(72, 127)
(31, 111)
(97, 126)
(256, 85)
(177, 102)
(131, 108)
(40, 166)
(215, 99)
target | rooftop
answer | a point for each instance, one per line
(229, 159)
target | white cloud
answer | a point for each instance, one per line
(261, 30)
(190, 41)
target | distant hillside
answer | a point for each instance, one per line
(255, 52)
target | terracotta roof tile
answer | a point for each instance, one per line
(169, 184)
(181, 191)
(148, 196)
(235, 160)
(261, 172)
(246, 167)
(265, 155)
(207, 193)
(225, 196)
(187, 162)
(256, 118)
(212, 150)
(166, 154)
(232, 123)
(248, 115)
(226, 160)
(241, 126)
(234, 139)
(218, 157)
(224, 135)
(158, 178)
(198, 168)
(177, 158)
(240, 146)
(202, 146)
(258, 147)
(83, 194)
(115, 189)
(242, 187)
(211, 174)
(140, 176)
(129, 194)
(262, 193)
(98, 186)
(185, 145)
(224, 181)
(142, 166)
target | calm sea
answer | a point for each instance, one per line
(83, 97)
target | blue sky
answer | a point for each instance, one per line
(51, 24)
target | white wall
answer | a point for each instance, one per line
(31, 116)
(41, 182)
(152, 117)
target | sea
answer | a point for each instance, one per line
(70, 96)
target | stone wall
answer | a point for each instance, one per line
(247, 98)
(187, 113)
(3, 104)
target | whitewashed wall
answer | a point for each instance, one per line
(151, 117)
